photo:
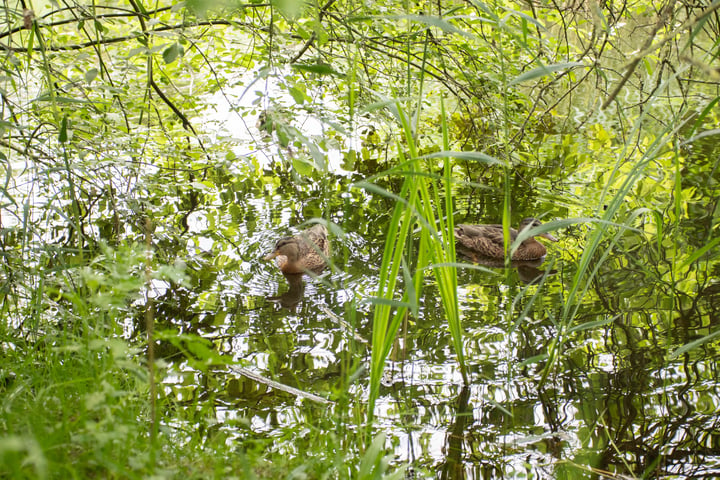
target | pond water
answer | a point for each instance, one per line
(616, 401)
(605, 395)
(561, 385)
(611, 392)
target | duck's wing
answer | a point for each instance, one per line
(316, 235)
(472, 233)
(323, 244)
(483, 239)
(486, 240)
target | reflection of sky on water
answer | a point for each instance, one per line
(235, 112)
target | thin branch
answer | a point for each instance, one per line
(108, 41)
(649, 47)
(311, 40)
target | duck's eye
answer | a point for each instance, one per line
(282, 243)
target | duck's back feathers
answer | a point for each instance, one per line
(485, 239)
(317, 236)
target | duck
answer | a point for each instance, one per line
(487, 241)
(304, 252)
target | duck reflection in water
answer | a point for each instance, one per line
(306, 252)
(528, 270)
(295, 293)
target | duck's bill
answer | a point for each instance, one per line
(549, 237)
(270, 256)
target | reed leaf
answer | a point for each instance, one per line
(418, 204)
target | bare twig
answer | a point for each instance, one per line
(649, 46)
(278, 386)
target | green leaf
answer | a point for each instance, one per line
(701, 118)
(47, 97)
(371, 464)
(289, 8)
(699, 252)
(99, 27)
(544, 70)
(302, 166)
(283, 135)
(172, 52)
(525, 17)
(297, 95)
(318, 69)
(431, 21)
(63, 135)
(592, 325)
(91, 74)
(703, 134)
(136, 51)
(534, 359)
(694, 344)
(473, 156)
(199, 7)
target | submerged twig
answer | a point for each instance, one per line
(343, 324)
(278, 386)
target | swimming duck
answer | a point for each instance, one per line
(306, 251)
(487, 240)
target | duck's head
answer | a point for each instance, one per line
(532, 223)
(286, 247)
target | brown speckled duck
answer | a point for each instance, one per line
(305, 251)
(487, 241)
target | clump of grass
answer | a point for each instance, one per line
(424, 205)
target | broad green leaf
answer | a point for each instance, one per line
(171, 53)
(297, 95)
(318, 69)
(91, 74)
(289, 8)
(302, 166)
(543, 71)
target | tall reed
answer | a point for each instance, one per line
(425, 205)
